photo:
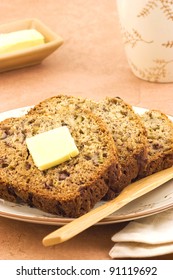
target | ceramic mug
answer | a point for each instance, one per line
(147, 31)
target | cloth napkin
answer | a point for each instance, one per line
(145, 237)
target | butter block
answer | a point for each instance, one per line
(19, 40)
(52, 147)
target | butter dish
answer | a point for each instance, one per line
(31, 55)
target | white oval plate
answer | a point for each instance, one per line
(154, 202)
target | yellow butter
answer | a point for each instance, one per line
(51, 148)
(19, 40)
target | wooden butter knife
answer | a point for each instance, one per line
(130, 193)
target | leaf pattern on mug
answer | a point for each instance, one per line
(168, 44)
(132, 38)
(166, 6)
(152, 4)
(154, 73)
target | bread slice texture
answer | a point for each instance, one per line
(129, 135)
(69, 189)
(125, 126)
(159, 142)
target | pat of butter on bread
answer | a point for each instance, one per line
(19, 40)
(52, 147)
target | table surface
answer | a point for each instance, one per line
(91, 63)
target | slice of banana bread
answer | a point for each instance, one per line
(130, 138)
(71, 188)
(160, 142)
(125, 126)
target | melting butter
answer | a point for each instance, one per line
(52, 147)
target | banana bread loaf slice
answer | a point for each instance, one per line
(129, 135)
(125, 126)
(69, 189)
(160, 142)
